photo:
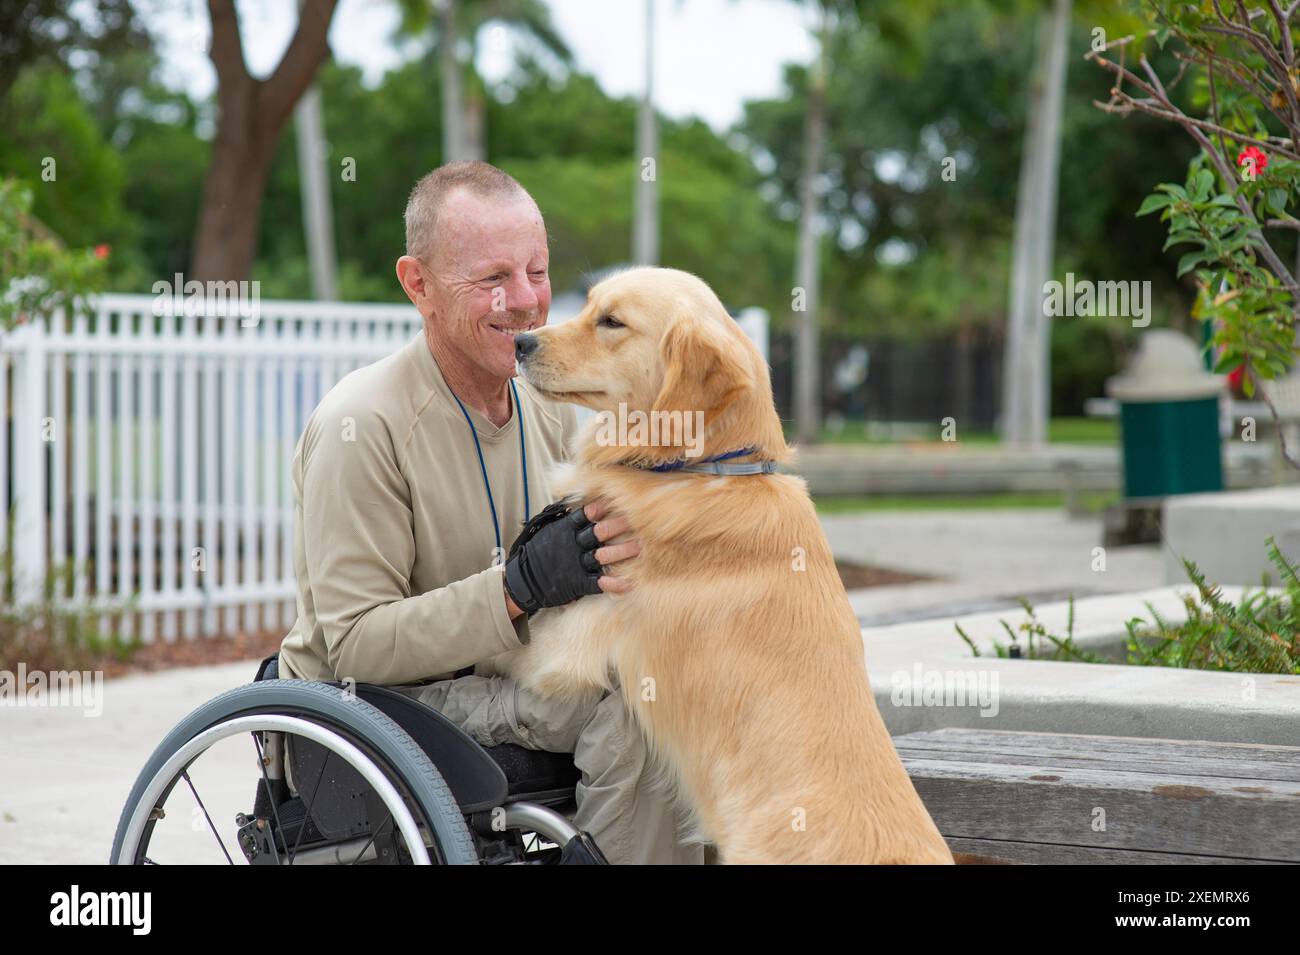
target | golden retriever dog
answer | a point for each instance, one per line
(736, 648)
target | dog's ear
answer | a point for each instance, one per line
(702, 370)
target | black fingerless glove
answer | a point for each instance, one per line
(553, 562)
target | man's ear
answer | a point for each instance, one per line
(411, 277)
(702, 370)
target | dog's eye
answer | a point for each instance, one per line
(609, 321)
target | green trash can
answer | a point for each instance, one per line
(1169, 418)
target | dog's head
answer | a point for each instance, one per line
(659, 343)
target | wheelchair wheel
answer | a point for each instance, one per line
(410, 812)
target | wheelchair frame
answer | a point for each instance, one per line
(449, 800)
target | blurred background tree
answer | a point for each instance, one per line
(911, 263)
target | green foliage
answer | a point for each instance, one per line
(1241, 289)
(37, 274)
(1261, 634)
(569, 118)
(568, 143)
(49, 138)
(1250, 309)
(69, 34)
(1085, 351)
(894, 118)
(165, 162)
(1049, 646)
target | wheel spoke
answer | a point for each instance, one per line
(185, 775)
(307, 810)
(375, 832)
(385, 772)
(270, 796)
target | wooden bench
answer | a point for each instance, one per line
(1056, 798)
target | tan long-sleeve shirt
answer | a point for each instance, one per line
(393, 538)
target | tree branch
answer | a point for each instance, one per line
(1229, 175)
(1166, 110)
(1284, 31)
(306, 52)
(1277, 419)
(227, 52)
(1214, 107)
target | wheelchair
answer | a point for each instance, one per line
(343, 774)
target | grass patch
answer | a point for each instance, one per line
(1103, 431)
(1092, 501)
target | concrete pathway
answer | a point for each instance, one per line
(984, 560)
(65, 775)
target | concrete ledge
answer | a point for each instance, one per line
(924, 677)
(1224, 533)
(1106, 700)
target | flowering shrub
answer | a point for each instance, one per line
(1235, 201)
(37, 274)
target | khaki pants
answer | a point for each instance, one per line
(630, 818)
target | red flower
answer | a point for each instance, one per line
(1252, 153)
(101, 251)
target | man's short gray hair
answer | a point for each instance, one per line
(430, 193)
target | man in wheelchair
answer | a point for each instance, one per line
(410, 475)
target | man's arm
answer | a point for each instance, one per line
(512, 608)
(360, 550)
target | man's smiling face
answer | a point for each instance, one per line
(489, 277)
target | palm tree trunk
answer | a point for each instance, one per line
(645, 226)
(451, 81)
(807, 377)
(317, 213)
(474, 124)
(1026, 382)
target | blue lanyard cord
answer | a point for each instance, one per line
(523, 455)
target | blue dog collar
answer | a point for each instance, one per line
(716, 465)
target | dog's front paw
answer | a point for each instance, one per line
(559, 684)
(503, 664)
(554, 675)
(567, 655)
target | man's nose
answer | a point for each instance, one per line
(520, 296)
(525, 345)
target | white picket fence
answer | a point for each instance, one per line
(150, 454)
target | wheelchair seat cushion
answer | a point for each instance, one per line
(534, 770)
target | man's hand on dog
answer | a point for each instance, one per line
(615, 533)
(538, 584)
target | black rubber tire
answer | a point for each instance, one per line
(324, 704)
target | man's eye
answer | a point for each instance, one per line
(609, 321)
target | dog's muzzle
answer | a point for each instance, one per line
(525, 344)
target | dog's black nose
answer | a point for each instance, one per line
(525, 345)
